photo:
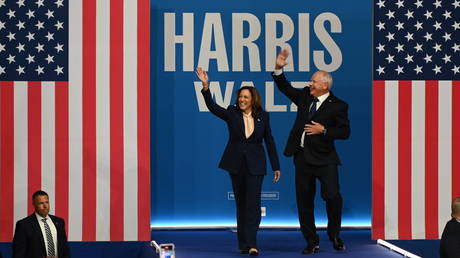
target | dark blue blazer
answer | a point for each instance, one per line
(238, 147)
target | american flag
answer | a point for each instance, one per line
(74, 115)
(416, 117)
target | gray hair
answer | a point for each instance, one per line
(456, 207)
(327, 78)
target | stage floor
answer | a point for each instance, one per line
(286, 243)
(222, 244)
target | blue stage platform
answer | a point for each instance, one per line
(222, 244)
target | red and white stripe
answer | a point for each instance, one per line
(85, 141)
(416, 157)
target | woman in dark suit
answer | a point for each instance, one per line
(244, 156)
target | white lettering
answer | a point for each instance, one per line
(239, 41)
(171, 39)
(212, 29)
(328, 42)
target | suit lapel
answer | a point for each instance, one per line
(241, 123)
(324, 106)
(38, 232)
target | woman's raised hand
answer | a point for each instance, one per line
(203, 76)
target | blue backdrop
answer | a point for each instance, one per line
(187, 142)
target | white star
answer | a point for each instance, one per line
(437, 4)
(399, 47)
(390, 36)
(437, 25)
(59, 25)
(20, 47)
(446, 36)
(50, 36)
(428, 36)
(50, 59)
(20, 25)
(456, 47)
(30, 59)
(2, 69)
(2, 3)
(2, 25)
(447, 14)
(456, 4)
(428, 14)
(381, 48)
(2, 47)
(381, 25)
(418, 25)
(39, 70)
(59, 70)
(456, 69)
(418, 69)
(400, 69)
(427, 58)
(39, 3)
(11, 36)
(59, 3)
(381, 4)
(456, 25)
(30, 36)
(409, 14)
(49, 14)
(30, 14)
(11, 14)
(409, 36)
(20, 69)
(437, 69)
(400, 25)
(418, 47)
(446, 58)
(40, 25)
(11, 58)
(437, 47)
(59, 47)
(380, 70)
(390, 58)
(419, 3)
(20, 3)
(400, 3)
(409, 58)
(390, 14)
(39, 47)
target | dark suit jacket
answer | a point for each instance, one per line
(332, 114)
(238, 147)
(28, 241)
(450, 240)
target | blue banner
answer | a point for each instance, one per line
(237, 43)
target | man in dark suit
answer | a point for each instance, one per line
(450, 240)
(40, 234)
(321, 119)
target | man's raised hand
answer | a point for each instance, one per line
(281, 59)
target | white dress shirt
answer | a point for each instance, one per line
(321, 99)
(53, 231)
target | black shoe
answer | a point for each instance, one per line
(253, 252)
(338, 244)
(311, 248)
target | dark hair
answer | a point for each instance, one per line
(256, 99)
(38, 193)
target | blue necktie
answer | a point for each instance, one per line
(312, 111)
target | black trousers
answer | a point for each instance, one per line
(246, 188)
(305, 178)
